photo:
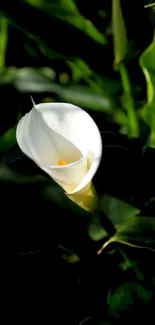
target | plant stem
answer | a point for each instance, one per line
(3, 43)
(129, 103)
(149, 5)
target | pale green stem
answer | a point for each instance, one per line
(129, 103)
(149, 5)
(152, 136)
(3, 42)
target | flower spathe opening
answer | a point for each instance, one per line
(62, 162)
(64, 141)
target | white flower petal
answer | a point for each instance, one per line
(73, 123)
(68, 176)
(41, 143)
(58, 131)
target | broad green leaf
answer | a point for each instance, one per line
(86, 98)
(118, 213)
(119, 33)
(138, 232)
(35, 80)
(30, 80)
(8, 139)
(117, 210)
(67, 11)
(147, 63)
(83, 96)
(125, 297)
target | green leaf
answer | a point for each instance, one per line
(80, 70)
(42, 38)
(96, 231)
(8, 139)
(138, 232)
(108, 85)
(35, 80)
(125, 297)
(119, 33)
(85, 97)
(30, 80)
(117, 211)
(147, 63)
(67, 11)
(131, 229)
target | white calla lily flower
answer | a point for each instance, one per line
(64, 141)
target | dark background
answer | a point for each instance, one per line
(38, 283)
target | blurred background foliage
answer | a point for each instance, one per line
(58, 262)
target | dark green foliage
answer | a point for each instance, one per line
(65, 265)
